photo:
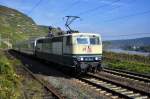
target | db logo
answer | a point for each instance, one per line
(87, 49)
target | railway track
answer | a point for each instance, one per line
(108, 86)
(51, 92)
(48, 86)
(127, 74)
(113, 88)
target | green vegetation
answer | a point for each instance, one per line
(131, 66)
(127, 57)
(14, 85)
(135, 63)
(9, 80)
(32, 88)
(16, 26)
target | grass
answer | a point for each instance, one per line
(127, 57)
(9, 80)
(135, 63)
(17, 26)
(13, 86)
(32, 88)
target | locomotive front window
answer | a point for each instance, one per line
(82, 40)
(94, 41)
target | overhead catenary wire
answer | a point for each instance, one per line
(35, 6)
(133, 34)
(72, 5)
(114, 8)
(127, 16)
(96, 8)
(69, 8)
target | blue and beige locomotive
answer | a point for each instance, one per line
(81, 52)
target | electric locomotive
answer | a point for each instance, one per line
(81, 52)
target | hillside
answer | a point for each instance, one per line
(16, 26)
(138, 42)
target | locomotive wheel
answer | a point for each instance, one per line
(94, 70)
(99, 68)
(78, 70)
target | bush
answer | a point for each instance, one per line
(135, 63)
(127, 57)
(131, 66)
(9, 80)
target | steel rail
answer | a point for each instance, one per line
(128, 74)
(104, 88)
(48, 86)
(119, 84)
(108, 89)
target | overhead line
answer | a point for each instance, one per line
(117, 7)
(125, 35)
(127, 16)
(109, 10)
(96, 8)
(36, 5)
(72, 5)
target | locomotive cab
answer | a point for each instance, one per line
(85, 50)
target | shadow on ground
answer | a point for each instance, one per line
(41, 67)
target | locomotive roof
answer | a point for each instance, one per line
(73, 34)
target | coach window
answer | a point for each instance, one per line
(69, 40)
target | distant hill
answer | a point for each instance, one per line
(16, 26)
(138, 42)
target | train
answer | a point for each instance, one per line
(80, 52)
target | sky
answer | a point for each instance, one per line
(113, 19)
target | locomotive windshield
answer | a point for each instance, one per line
(94, 41)
(88, 40)
(82, 41)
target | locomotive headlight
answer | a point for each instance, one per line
(96, 58)
(81, 58)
